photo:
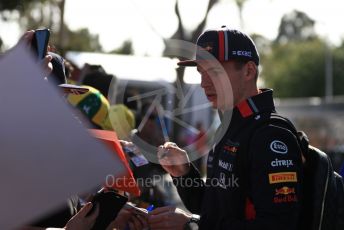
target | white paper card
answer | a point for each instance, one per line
(45, 154)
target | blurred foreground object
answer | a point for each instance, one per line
(46, 155)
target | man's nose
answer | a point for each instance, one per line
(205, 81)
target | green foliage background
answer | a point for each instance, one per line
(294, 65)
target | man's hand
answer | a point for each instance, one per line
(173, 159)
(168, 218)
(81, 221)
(127, 218)
(47, 65)
(26, 38)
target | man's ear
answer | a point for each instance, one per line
(250, 70)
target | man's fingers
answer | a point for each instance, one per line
(161, 150)
(170, 145)
(157, 219)
(166, 161)
(123, 142)
(85, 210)
(136, 224)
(27, 37)
(161, 210)
(47, 65)
(94, 214)
(142, 220)
(47, 59)
(161, 225)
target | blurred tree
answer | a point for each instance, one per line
(183, 34)
(126, 48)
(296, 69)
(338, 70)
(62, 27)
(32, 14)
(191, 35)
(81, 40)
(295, 63)
(296, 26)
(29, 13)
(186, 35)
(240, 5)
(9, 5)
(262, 43)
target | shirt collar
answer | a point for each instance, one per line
(255, 105)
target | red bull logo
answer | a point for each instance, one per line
(285, 191)
(232, 149)
(285, 195)
(285, 199)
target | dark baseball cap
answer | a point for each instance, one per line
(224, 44)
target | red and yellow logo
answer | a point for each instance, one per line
(281, 177)
(232, 149)
(285, 191)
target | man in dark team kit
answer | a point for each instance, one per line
(254, 169)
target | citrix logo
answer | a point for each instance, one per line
(286, 163)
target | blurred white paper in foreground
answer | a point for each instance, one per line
(45, 154)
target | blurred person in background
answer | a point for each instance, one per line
(94, 106)
(150, 129)
(95, 76)
(122, 120)
(132, 101)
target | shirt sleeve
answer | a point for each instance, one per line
(190, 188)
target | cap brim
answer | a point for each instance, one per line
(73, 89)
(187, 63)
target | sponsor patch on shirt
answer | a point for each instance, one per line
(282, 177)
(285, 195)
(278, 147)
(282, 163)
(285, 199)
(230, 149)
(284, 191)
(226, 165)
